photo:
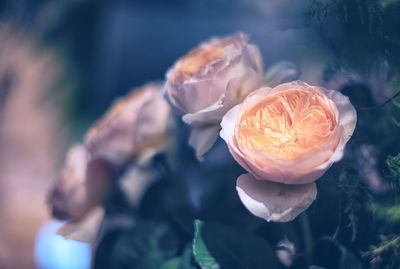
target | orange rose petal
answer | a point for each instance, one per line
(287, 124)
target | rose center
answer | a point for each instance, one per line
(288, 123)
(200, 57)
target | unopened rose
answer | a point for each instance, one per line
(289, 134)
(136, 127)
(208, 81)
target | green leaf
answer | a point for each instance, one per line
(396, 122)
(187, 258)
(147, 245)
(182, 262)
(220, 246)
(386, 213)
(200, 251)
(173, 263)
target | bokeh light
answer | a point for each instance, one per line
(52, 251)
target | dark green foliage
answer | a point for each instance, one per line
(385, 254)
(345, 24)
(393, 164)
(330, 254)
(146, 245)
(355, 195)
(218, 246)
(386, 213)
(394, 117)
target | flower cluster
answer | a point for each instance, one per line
(128, 135)
(286, 135)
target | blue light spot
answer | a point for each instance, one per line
(52, 251)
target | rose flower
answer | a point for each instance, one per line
(211, 79)
(78, 194)
(135, 128)
(290, 134)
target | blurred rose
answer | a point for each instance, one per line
(211, 79)
(136, 127)
(79, 193)
(289, 134)
(286, 252)
(80, 187)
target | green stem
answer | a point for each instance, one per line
(392, 243)
(307, 236)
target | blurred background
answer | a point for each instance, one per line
(63, 62)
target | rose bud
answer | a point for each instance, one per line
(289, 134)
(286, 252)
(135, 128)
(208, 81)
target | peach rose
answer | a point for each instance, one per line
(211, 79)
(78, 195)
(289, 134)
(81, 185)
(136, 127)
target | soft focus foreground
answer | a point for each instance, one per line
(30, 143)
(292, 182)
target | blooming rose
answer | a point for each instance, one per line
(136, 126)
(211, 79)
(288, 134)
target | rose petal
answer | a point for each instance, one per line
(208, 85)
(238, 80)
(273, 201)
(203, 138)
(85, 230)
(281, 72)
(347, 113)
(133, 124)
(228, 125)
(81, 185)
(135, 181)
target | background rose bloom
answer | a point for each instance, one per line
(211, 79)
(136, 126)
(79, 192)
(289, 134)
